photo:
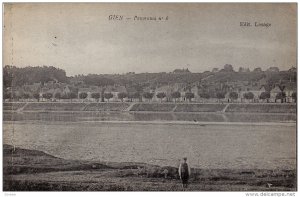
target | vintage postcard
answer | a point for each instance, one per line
(150, 97)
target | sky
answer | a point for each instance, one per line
(81, 39)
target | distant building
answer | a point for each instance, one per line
(289, 89)
(167, 89)
(34, 88)
(115, 90)
(273, 93)
(195, 91)
(66, 90)
(257, 92)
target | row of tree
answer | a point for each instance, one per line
(147, 95)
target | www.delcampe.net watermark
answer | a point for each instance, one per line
(271, 194)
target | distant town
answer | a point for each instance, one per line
(50, 84)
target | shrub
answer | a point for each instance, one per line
(47, 95)
(265, 96)
(122, 95)
(36, 96)
(233, 95)
(95, 95)
(26, 96)
(148, 95)
(72, 95)
(57, 95)
(83, 95)
(189, 95)
(175, 95)
(204, 95)
(108, 95)
(281, 96)
(161, 95)
(220, 95)
(248, 95)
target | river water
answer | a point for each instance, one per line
(264, 141)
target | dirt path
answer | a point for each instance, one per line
(130, 107)
(224, 110)
(22, 108)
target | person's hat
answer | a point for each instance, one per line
(184, 158)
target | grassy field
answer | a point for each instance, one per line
(31, 170)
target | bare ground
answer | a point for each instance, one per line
(31, 170)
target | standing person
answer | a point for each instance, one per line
(184, 173)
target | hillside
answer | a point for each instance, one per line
(14, 76)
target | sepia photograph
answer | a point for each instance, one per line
(175, 97)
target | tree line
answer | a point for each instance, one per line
(14, 76)
(233, 96)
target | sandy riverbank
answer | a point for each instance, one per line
(31, 170)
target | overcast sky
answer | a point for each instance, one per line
(80, 38)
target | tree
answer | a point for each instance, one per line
(189, 96)
(98, 80)
(220, 95)
(8, 95)
(148, 95)
(130, 96)
(102, 94)
(14, 76)
(83, 95)
(122, 95)
(47, 95)
(258, 69)
(72, 95)
(65, 96)
(233, 95)
(161, 95)
(294, 96)
(228, 68)
(26, 96)
(108, 96)
(16, 96)
(248, 95)
(36, 96)
(57, 95)
(265, 96)
(175, 95)
(281, 96)
(204, 95)
(96, 96)
(136, 95)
